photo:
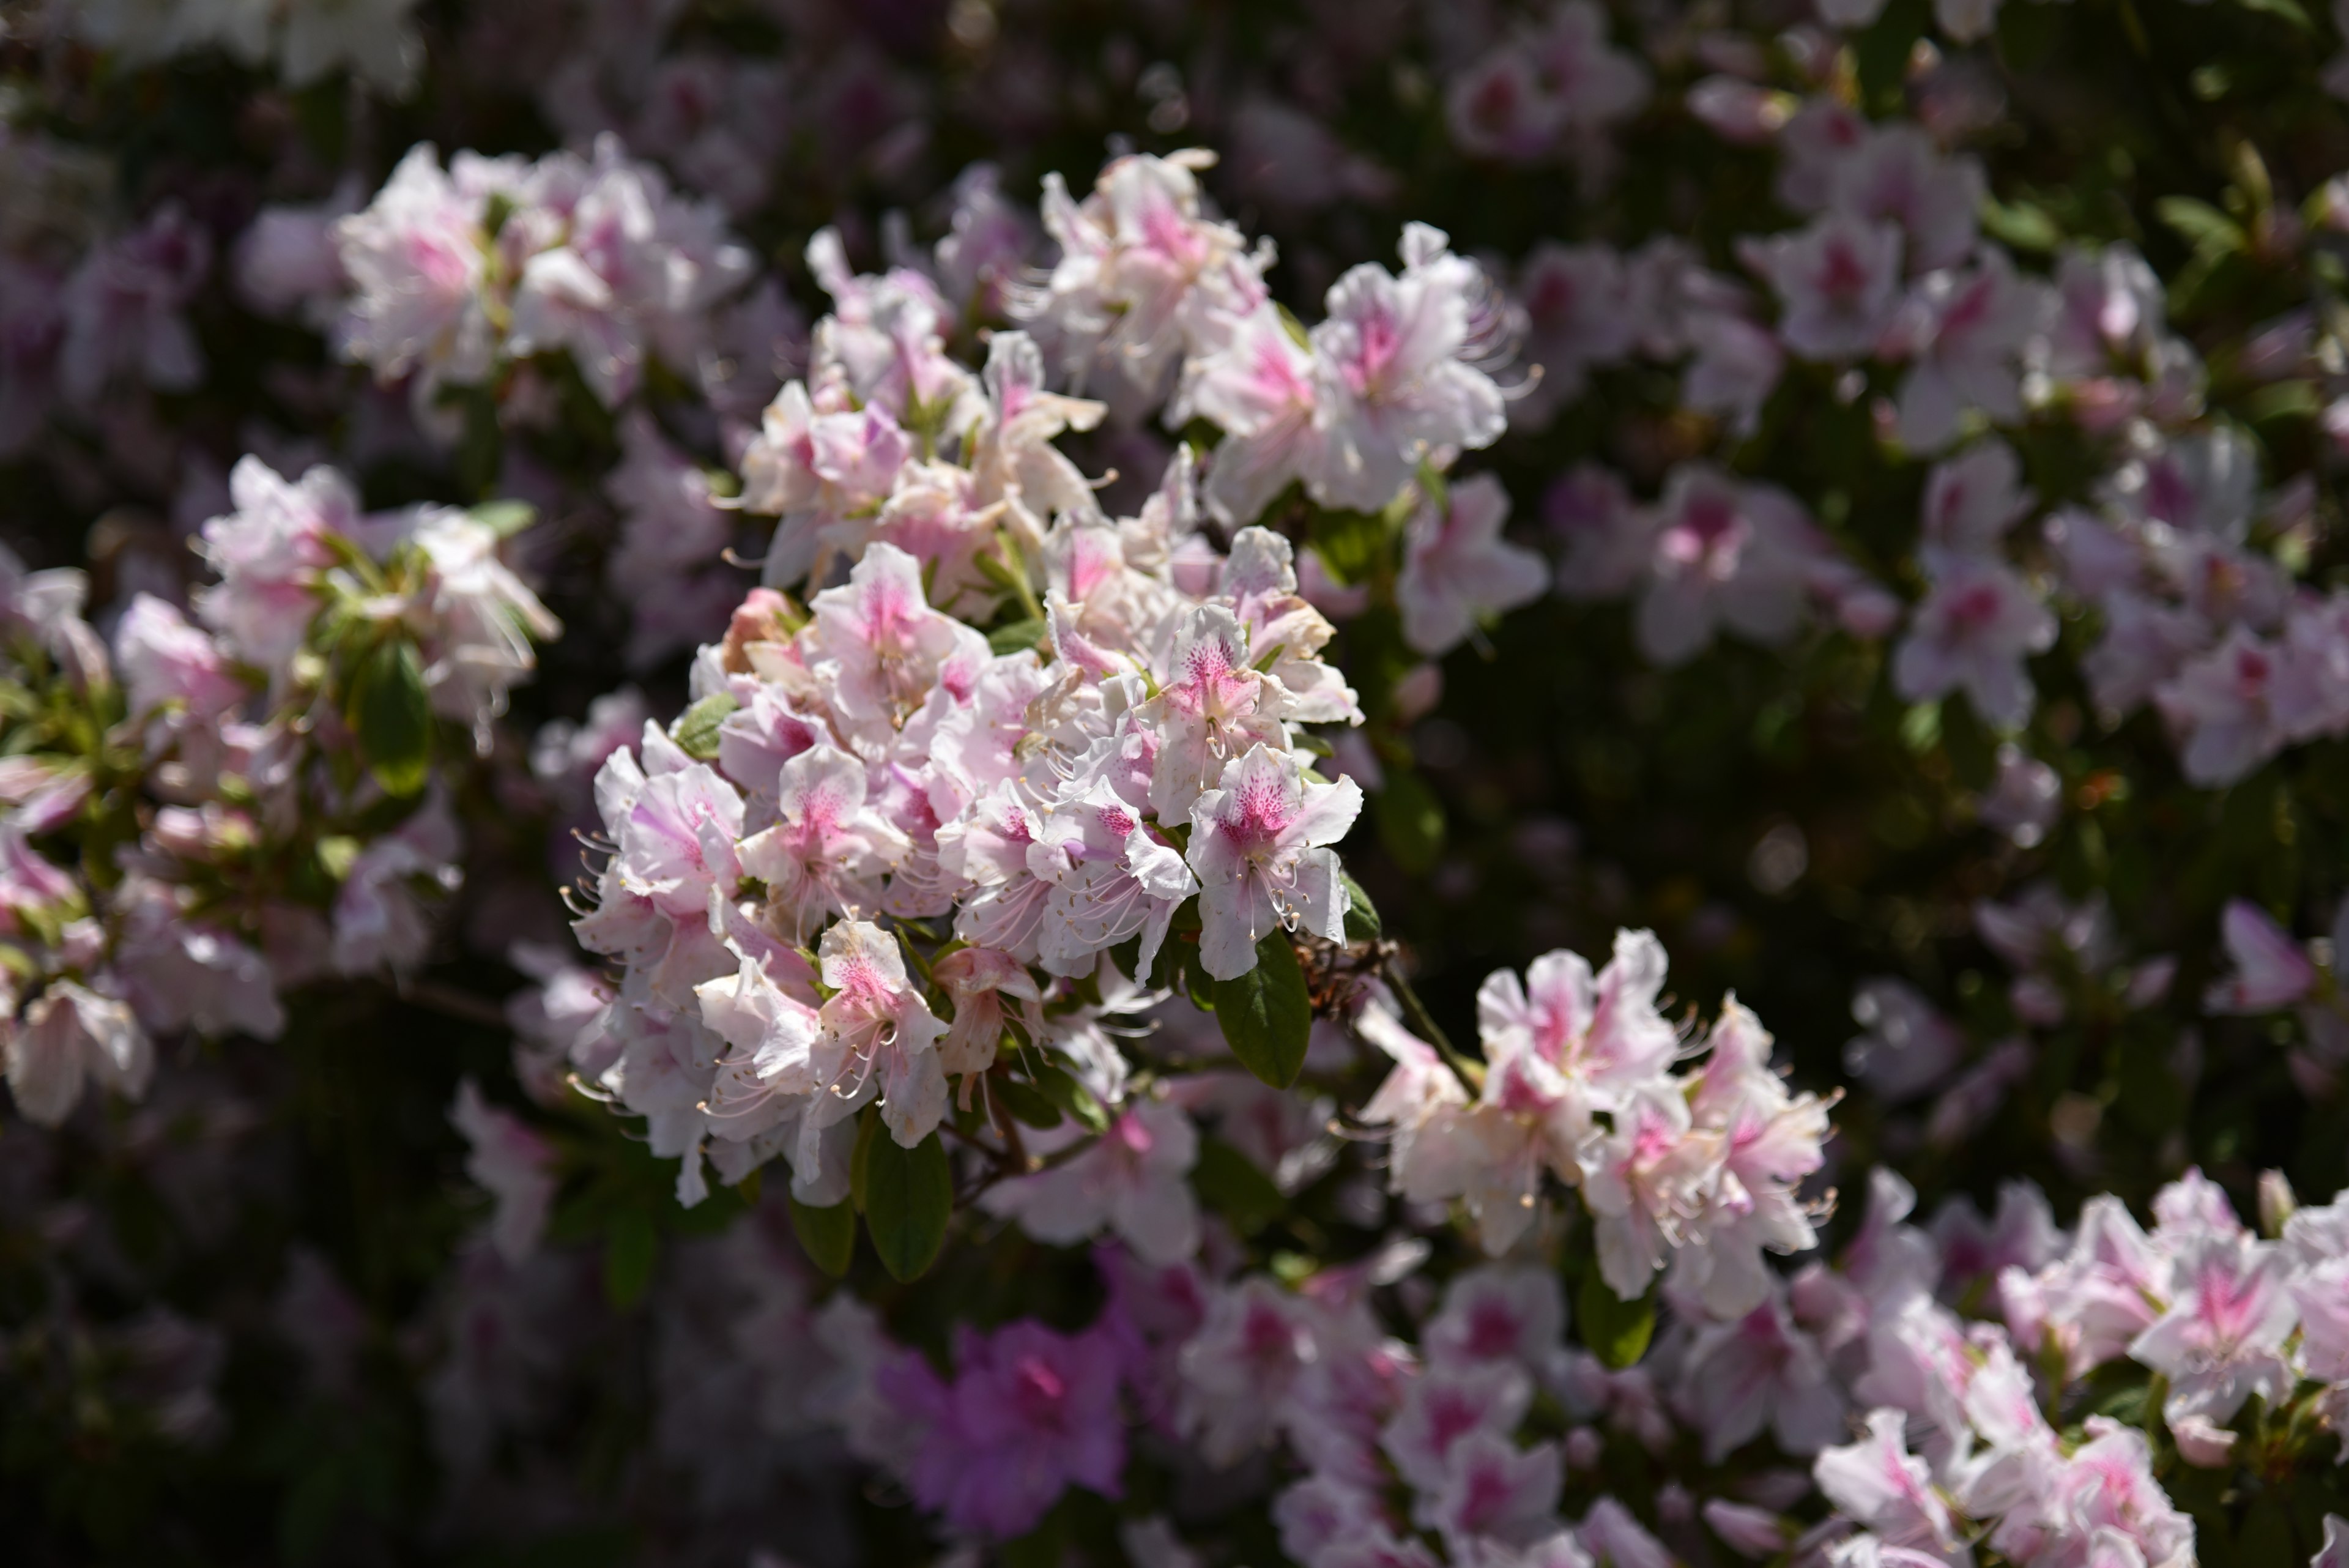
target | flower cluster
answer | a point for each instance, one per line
(239, 796)
(450, 276)
(1699, 1169)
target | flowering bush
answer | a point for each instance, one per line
(1005, 782)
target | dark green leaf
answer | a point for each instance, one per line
(1061, 1087)
(630, 1251)
(1615, 1330)
(391, 713)
(1265, 1015)
(908, 1199)
(1230, 1183)
(1017, 635)
(696, 730)
(1362, 923)
(1025, 1103)
(827, 1235)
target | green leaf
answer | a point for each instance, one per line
(696, 730)
(1615, 1330)
(2288, 10)
(828, 1236)
(1232, 1184)
(1025, 1103)
(1265, 1015)
(1362, 922)
(391, 713)
(2201, 224)
(908, 1200)
(2020, 226)
(630, 1251)
(1409, 821)
(1061, 1087)
(1017, 637)
(505, 518)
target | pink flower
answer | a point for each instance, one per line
(1440, 1408)
(1895, 175)
(1602, 1032)
(1640, 1181)
(1877, 1482)
(269, 553)
(1030, 1414)
(123, 305)
(1392, 361)
(1133, 1181)
(876, 1035)
(1578, 316)
(513, 1164)
(1759, 1371)
(878, 647)
(70, 1035)
(1908, 1046)
(1258, 844)
(2271, 971)
(1457, 568)
(829, 848)
(1259, 388)
(1837, 282)
(1491, 1488)
(164, 661)
(1494, 1313)
(2220, 707)
(1724, 553)
(2221, 1339)
(1967, 333)
(1977, 624)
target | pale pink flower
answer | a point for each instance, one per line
(1578, 304)
(1212, 705)
(2221, 1339)
(2270, 970)
(1492, 1489)
(1639, 1181)
(1259, 844)
(1967, 334)
(70, 1035)
(829, 849)
(1458, 569)
(1133, 1181)
(2220, 707)
(878, 647)
(1440, 1408)
(877, 1036)
(1895, 174)
(1977, 624)
(1258, 387)
(1877, 1482)
(513, 1164)
(1910, 1045)
(1395, 383)
(1724, 554)
(1837, 283)
(1759, 1371)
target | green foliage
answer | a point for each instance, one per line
(390, 711)
(909, 1198)
(1266, 1016)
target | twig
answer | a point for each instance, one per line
(1467, 1069)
